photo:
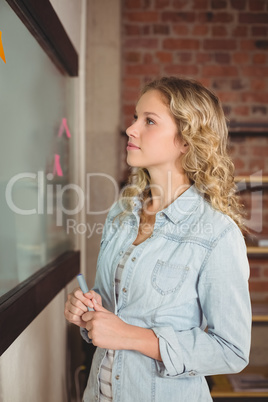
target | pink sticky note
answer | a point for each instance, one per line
(64, 126)
(57, 167)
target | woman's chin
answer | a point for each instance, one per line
(131, 162)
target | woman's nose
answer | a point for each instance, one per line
(131, 131)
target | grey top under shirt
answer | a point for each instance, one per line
(105, 377)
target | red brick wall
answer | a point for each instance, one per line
(221, 43)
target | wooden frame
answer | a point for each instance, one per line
(257, 253)
(260, 183)
(42, 21)
(23, 303)
(248, 129)
(244, 133)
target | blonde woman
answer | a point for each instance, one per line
(171, 301)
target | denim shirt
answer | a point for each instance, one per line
(188, 282)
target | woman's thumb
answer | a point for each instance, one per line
(97, 307)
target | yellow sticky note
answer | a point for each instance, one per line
(2, 53)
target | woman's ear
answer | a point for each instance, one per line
(185, 147)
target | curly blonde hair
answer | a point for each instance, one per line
(201, 123)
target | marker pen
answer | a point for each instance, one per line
(83, 286)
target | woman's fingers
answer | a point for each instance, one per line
(93, 295)
(75, 307)
(78, 309)
(74, 319)
(77, 304)
(77, 297)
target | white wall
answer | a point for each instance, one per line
(33, 368)
(103, 107)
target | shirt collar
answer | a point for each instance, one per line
(184, 205)
(181, 208)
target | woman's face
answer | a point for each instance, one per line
(153, 139)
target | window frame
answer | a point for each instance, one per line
(20, 305)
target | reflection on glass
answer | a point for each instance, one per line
(34, 97)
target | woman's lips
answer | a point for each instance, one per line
(131, 147)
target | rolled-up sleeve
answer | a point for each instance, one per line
(225, 303)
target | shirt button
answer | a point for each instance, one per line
(117, 377)
(124, 290)
(162, 214)
(121, 252)
(133, 259)
(192, 373)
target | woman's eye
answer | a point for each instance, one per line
(149, 121)
(135, 117)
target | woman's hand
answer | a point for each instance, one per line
(106, 329)
(77, 303)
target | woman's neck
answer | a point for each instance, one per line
(165, 188)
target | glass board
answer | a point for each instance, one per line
(37, 136)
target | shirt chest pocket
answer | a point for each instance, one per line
(168, 278)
